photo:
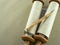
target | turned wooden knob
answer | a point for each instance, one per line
(40, 38)
(39, 0)
(28, 38)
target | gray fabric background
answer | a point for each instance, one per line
(13, 17)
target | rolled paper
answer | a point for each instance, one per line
(34, 15)
(46, 26)
(39, 20)
(41, 15)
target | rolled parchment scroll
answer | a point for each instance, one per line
(45, 28)
(34, 15)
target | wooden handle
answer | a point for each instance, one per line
(38, 43)
(39, 0)
(29, 38)
(26, 43)
(40, 38)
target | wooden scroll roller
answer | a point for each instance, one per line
(40, 39)
(34, 15)
(45, 28)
